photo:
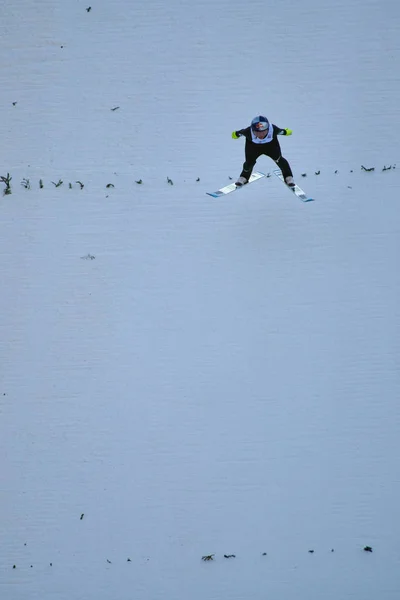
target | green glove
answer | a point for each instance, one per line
(288, 131)
(235, 136)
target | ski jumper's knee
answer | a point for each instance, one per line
(248, 166)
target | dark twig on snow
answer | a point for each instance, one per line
(7, 181)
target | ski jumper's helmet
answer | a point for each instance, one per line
(260, 123)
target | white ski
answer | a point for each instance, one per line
(232, 186)
(296, 189)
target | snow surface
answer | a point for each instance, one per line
(199, 376)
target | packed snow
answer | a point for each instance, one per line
(199, 397)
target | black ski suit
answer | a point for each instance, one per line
(270, 148)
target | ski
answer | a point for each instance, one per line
(232, 186)
(297, 191)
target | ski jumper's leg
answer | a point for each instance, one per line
(273, 150)
(251, 152)
(284, 167)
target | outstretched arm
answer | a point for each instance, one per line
(238, 133)
(280, 131)
(246, 132)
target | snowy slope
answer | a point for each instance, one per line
(198, 376)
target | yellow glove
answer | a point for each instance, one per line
(288, 131)
(235, 136)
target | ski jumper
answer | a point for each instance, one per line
(269, 146)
